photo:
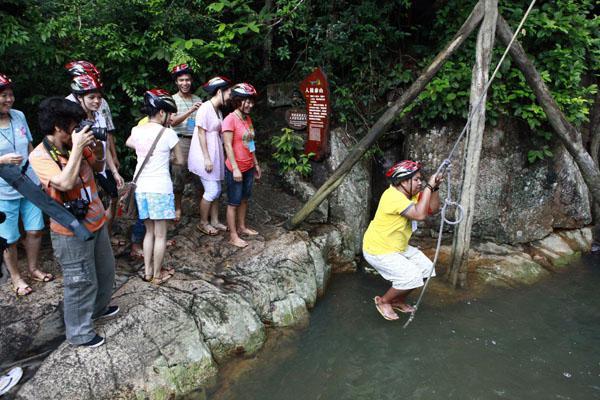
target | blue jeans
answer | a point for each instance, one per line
(236, 191)
(89, 274)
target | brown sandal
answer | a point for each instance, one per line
(22, 291)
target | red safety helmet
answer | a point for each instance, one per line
(216, 83)
(5, 81)
(160, 99)
(180, 69)
(83, 84)
(403, 170)
(243, 90)
(82, 67)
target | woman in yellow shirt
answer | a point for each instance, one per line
(385, 244)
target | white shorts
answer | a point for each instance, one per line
(212, 189)
(405, 270)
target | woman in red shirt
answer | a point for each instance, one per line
(241, 165)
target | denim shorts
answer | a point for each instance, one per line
(155, 205)
(238, 191)
(32, 217)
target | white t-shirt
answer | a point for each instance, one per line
(155, 177)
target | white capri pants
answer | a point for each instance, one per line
(212, 189)
(405, 270)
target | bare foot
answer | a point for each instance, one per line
(40, 276)
(177, 216)
(247, 231)
(238, 243)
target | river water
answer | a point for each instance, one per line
(539, 342)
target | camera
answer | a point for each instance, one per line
(99, 133)
(78, 207)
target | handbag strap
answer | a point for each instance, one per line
(149, 154)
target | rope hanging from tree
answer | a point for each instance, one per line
(444, 167)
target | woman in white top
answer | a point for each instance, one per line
(206, 158)
(154, 188)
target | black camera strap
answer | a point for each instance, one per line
(54, 154)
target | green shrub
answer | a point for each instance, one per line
(289, 153)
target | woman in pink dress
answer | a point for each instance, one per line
(206, 157)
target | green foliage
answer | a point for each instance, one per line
(370, 50)
(289, 153)
(534, 155)
(133, 42)
(562, 37)
(359, 44)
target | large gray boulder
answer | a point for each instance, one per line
(172, 338)
(349, 204)
(517, 202)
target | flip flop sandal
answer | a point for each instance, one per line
(22, 291)
(169, 271)
(161, 279)
(47, 277)
(398, 308)
(204, 229)
(220, 227)
(249, 232)
(378, 307)
(238, 246)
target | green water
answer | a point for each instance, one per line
(540, 342)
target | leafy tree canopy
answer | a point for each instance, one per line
(370, 50)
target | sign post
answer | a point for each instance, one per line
(315, 90)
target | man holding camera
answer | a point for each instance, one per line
(65, 162)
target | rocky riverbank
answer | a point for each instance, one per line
(171, 339)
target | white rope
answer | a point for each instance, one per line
(445, 166)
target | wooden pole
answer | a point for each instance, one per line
(481, 70)
(386, 119)
(567, 133)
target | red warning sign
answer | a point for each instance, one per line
(315, 90)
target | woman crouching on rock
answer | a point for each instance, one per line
(385, 244)
(154, 188)
(241, 165)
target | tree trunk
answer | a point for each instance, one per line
(268, 41)
(386, 119)
(595, 128)
(483, 54)
(567, 133)
(595, 144)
